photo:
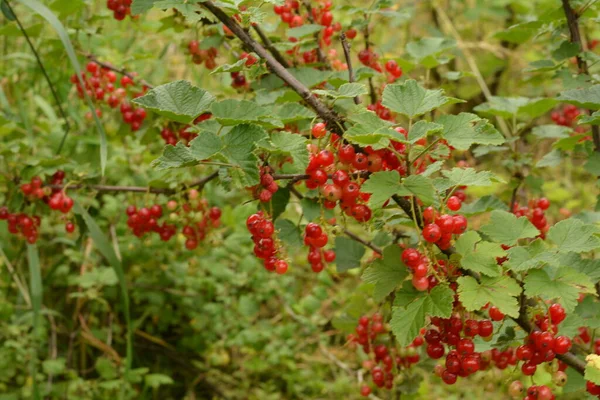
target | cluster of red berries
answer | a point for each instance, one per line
(343, 188)
(393, 70)
(267, 187)
(418, 264)
(541, 345)
(100, 86)
(34, 190)
(382, 360)
(265, 246)
(22, 225)
(534, 392)
(382, 112)
(463, 360)
(145, 220)
(316, 239)
(565, 116)
(535, 213)
(288, 13)
(370, 59)
(209, 218)
(323, 16)
(120, 8)
(199, 56)
(439, 229)
(172, 133)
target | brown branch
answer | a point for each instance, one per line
(267, 42)
(573, 24)
(138, 189)
(346, 47)
(332, 120)
(121, 71)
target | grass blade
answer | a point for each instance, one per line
(35, 274)
(49, 16)
(104, 246)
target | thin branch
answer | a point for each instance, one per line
(573, 24)
(346, 47)
(372, 93)
(360, 240)
(11, 270)
(331, 118)
(121, 71)
(138, 189)
(269, 45)
(52, 89)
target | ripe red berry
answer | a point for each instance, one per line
(562, 344)
(495, 314)
(432, 233)
(365, 391)
(557, 313)
(454, 203)
(543, 203)
(70, 227)
(319, 130)
(281, 267)
(448, 377)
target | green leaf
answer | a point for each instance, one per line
(564, 285)
(500, 292)
(141, 6)
(190, 11)
(290, 145)
(239, 65)
(407, 322)
(426, 50)
(105, 248)
(566, 50)
(423, 129)
(593, 119)
(156, 380)
(466, 177)
(586, 98)
(279, 201)
(350, 90)
(348, 253)
(523, 258)
(386, 273)
(382, 185)
(506, 228)
(483, 204)
(421, 187)
(411, 99)
(49, 16)
(232, 112)
(519, 33)
(289, 233)
(593, 164)
(573, 235)
(589, 267)
(465, 129)
(36, 294)
(479, 256)
(54, 367)
(370, 130)
(304, 30)
(509, 107)
(178, 101)
(238, 146)
(293, 112)
(7, 12)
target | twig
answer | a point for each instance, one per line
(332, 120)
(265, 39)
(346, 47)
(573, 24)
(472, 65)
(360, 240)
(513, 197)
(41, 65)
(138, 189)
(372, 93)
(18, 282)
(121, 71)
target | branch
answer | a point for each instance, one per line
(41, 65)
(346, 47)
(372, 93)
(573, 24)
(331, 119)
(278, 56)
(121, 71)
(138, 189)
